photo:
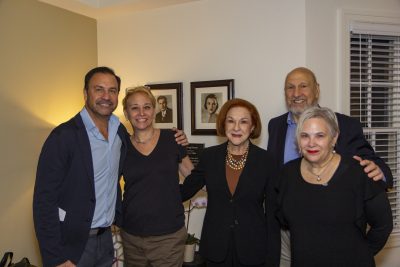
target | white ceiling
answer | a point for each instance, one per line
(105, 8)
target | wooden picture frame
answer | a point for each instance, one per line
(169, 95)
(207, 98)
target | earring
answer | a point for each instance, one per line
(300, 153)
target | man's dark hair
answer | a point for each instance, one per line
(105, 70)
(162, 97)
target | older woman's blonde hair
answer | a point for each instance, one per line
(138, 90)
(237, 102)
(325, 114)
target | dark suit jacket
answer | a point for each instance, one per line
(351, 142)
(166, 119)
(242, 214)
(65, 180)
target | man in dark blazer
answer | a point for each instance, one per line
(165, 114)
(76, 199)
(301, 92)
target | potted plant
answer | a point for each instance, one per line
(191, 240)
(190, 246)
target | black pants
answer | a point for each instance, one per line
(231, 259)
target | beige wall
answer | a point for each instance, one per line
(44, 53)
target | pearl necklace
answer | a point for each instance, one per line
(146, 140)
(236, 164)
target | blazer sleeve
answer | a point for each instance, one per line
(273, 227)
(273, 140)
(352, 142)
(52, 167)
(379, 216)
(271, 128)
(195, 181)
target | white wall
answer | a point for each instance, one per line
(254, 42)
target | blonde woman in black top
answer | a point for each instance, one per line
(153, 230)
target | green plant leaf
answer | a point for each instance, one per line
(191, 239)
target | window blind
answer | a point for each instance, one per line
(375, 100)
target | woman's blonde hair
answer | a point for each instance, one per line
(136, 90)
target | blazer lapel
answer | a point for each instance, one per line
(245, 175)
(84, 147)
(123, 134)
(220, 167)
(282, 129)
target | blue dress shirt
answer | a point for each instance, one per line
(291, 148)
(105, 156)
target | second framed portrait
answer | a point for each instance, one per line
(207, 98)
(168, 105)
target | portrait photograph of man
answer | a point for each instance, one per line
(165, 114)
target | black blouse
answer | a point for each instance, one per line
(328, 223)
(152, 203)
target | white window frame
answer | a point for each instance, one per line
(348, 18)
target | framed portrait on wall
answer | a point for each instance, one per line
(168, 105)
(207, 97)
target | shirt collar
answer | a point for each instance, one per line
(89, 124)
(290, 120)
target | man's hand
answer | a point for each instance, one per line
(180, 137)
(67, 264)
(370, 168)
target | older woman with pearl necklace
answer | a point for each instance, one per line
(236, 175)
(326, 200)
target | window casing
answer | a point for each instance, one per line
(375, 100)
